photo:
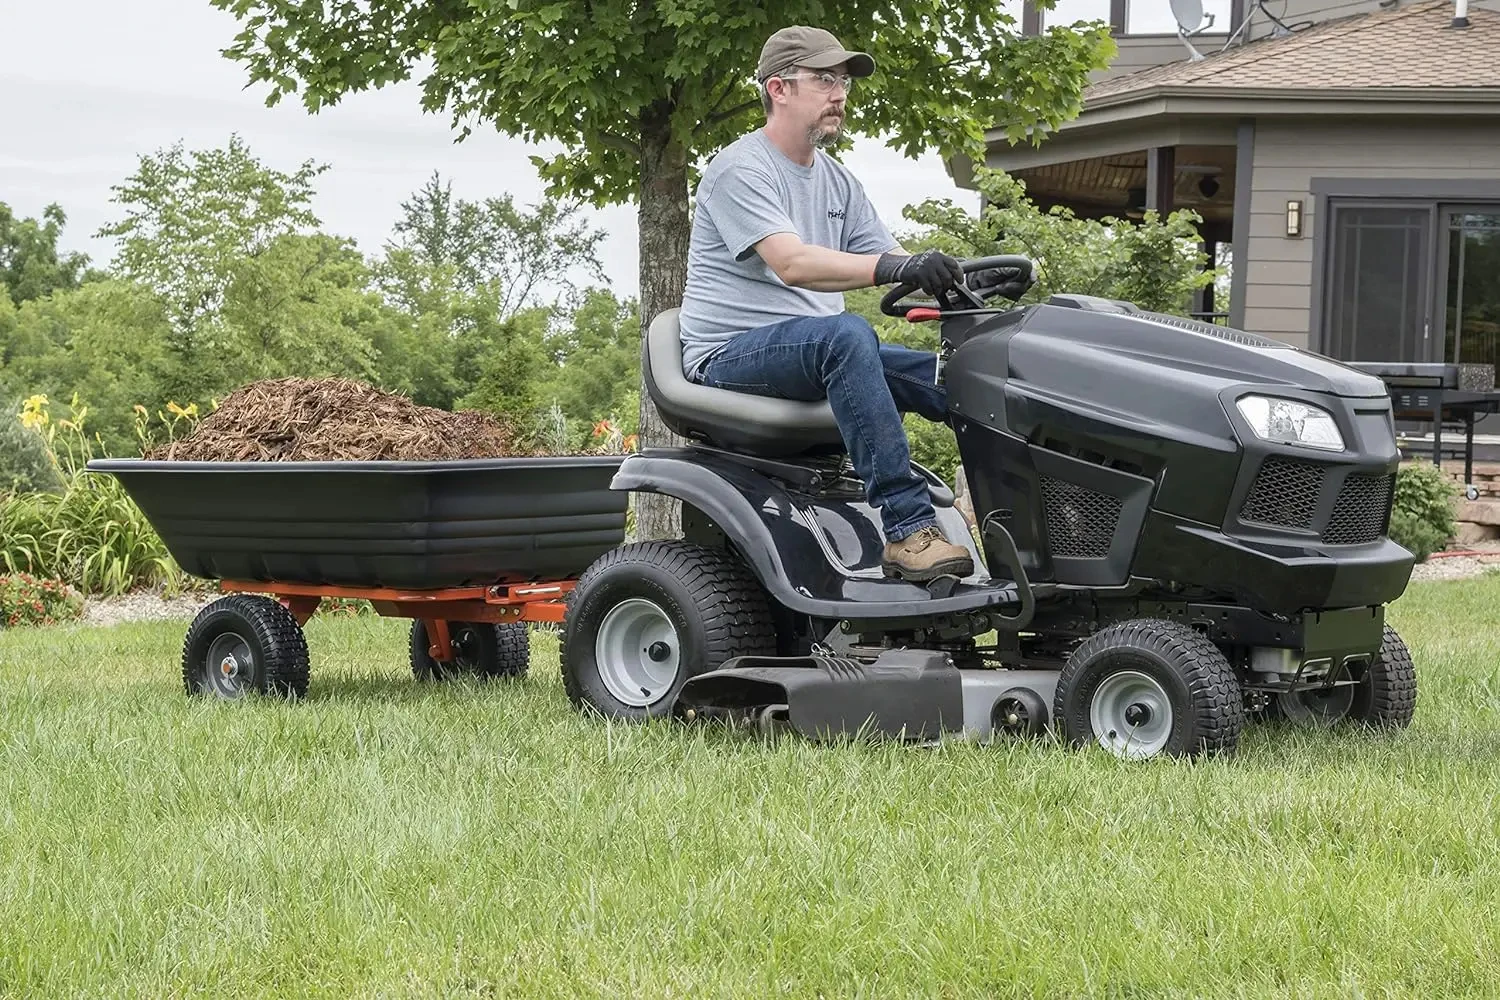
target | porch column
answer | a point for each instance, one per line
(1161, 174)
(1239, 237)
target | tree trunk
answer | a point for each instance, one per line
(665, 227)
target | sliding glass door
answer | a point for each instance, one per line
(1380, 297)
(1414, 281)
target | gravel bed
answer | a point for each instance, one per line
(144, 605)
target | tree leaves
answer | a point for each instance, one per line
(583, 74)
(189, 219)
(30, 265)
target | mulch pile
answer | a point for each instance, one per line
(333, 419)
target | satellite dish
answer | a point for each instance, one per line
(1189, 14)
(1190, 21)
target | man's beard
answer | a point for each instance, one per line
(825, 140)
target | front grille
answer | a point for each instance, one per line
(1080, 522)
(1359, 514)
(1285, 493)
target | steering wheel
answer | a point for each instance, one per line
(960, 296)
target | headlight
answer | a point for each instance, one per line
(1289, 422)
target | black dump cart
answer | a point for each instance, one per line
(470, 549)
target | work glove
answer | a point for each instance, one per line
(932, 271)
(1010, 282)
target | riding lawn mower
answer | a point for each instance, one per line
(1177, 526)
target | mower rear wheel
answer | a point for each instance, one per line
(647, 616)
(245, 644)
(1384, 698)
(480, 649)
(1150, 687)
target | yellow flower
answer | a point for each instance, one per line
(34, 411)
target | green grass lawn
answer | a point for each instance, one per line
(382, 839)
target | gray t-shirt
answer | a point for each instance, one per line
(749, 191)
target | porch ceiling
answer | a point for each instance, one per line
(1103, 185)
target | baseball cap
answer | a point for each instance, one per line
(814, 48)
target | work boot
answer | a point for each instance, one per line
(925, 555)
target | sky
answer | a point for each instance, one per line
(89, 86)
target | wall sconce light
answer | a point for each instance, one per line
(1294, 218)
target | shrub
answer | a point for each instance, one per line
(1422, 517)
(26, 465)
(27, 600)
(90, 534)
(1155, 262)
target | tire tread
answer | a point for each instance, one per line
(736, 611)
(1210, 678)
(284, 654)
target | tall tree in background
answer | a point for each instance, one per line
(191, 219)
(636, 91)
(529, 255)
(30, 266)
(250, 286)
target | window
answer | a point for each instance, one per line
(1068, 11)
(1143, 18)
(1471, 310)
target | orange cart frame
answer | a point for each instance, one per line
(526, 602)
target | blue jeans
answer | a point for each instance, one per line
(868, 386)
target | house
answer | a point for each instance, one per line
(1347, 154)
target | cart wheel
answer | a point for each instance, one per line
(1147, 688)
(647, 616)
(245, 644)
(480, 649)
(1384, 698)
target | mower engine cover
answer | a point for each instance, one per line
(1121, 444)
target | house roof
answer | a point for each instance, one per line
(1405, 48)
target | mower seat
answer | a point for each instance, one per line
(734, 421)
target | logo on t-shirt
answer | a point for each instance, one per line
(835, 213)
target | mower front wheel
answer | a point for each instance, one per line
(1384, 698)
(647, 616)
(1149, 688)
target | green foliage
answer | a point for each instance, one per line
(223, 278)
(192, 219)
(30, 265)
(91, 534)
(26, 465)
(1422, 516)
(107, 343)
(1154, 262)
(507, 374)
(466, 246)
(26, 600)
(468, 284)
(596, 356)
(615, 82)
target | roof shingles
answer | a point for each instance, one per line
(1405, 47)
